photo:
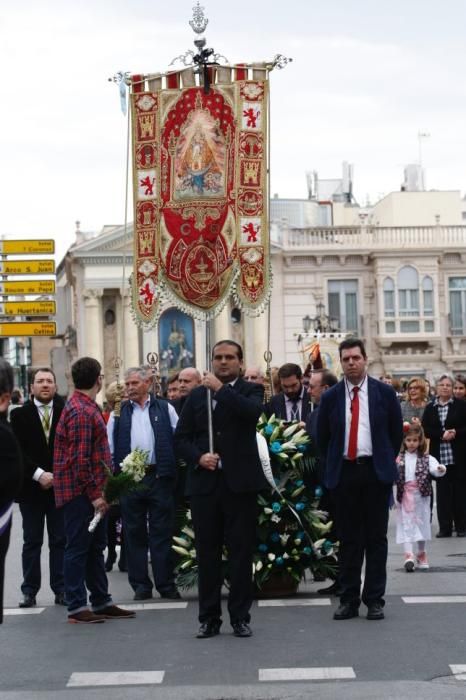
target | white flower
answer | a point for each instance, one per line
(135, 464)
(275, 518)
(286, 555)
(271, 556)
(284, 539)
(259, 565)
(268, 511)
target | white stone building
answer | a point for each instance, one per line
(394, 274)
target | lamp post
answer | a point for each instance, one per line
(323, 323)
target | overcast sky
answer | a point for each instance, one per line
(366, 77)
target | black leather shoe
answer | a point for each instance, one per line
(60, 599)
(142, 595)
(346, 611)
(375, 612)
(171, 595)
(241, 629)
(460, 533)
(443, 534)
(334, 589)
(209, 629)
(28, 601)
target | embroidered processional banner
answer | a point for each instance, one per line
(200, 192)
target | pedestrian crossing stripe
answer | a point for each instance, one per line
(101, 678)
(459, 671)
(289, 602)
(322, 673)
(434, 599)
(23, 611)
(156, 606)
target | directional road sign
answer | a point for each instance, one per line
(27, 247)
(28, 308)
(27, 287)
(27, 267)
(15, 330)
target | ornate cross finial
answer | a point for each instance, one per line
(199, 21)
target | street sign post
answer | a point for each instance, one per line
(35, 329)
(28, 308)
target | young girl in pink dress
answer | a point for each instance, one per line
(413, 491)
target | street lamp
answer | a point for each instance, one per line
(322, 322)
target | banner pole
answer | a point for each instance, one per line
(208, 347)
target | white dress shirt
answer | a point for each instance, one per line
(289, 403)
(364, 427)
(142, 435)
(40, 409)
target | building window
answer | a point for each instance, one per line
(408, 291)
(457, 289)
(389, 296)
(428, 296)
(343, 304)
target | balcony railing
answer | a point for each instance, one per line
(369, 237)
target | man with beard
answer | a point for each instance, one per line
(34, 425)
(292, 403)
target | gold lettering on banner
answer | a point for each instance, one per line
(200, 214)
(146, 125)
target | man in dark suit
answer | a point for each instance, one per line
(11, 470)
(444, 423)
(34, 425)
(222, 484)
(292, 403)
(359, 430)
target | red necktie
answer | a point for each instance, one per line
(353, 434)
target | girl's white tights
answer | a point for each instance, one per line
(409, 546)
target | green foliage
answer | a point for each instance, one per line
(291, 529)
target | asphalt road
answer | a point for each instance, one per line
(297, 650)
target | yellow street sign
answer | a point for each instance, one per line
(15, 330)
(28, 308)
(26, 247)
(27, 267)
(27, 287)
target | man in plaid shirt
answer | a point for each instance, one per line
(81, 453)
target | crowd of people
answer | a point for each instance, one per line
(367, 435)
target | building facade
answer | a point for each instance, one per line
(399, 286)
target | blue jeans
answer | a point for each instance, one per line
(84, 557)
(34, 515)
(148, 522)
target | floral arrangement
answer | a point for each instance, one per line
(133, 470)
(291, 530)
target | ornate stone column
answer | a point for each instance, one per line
(221, 329)
(92, 332)
(130, 337)
(255, 340)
